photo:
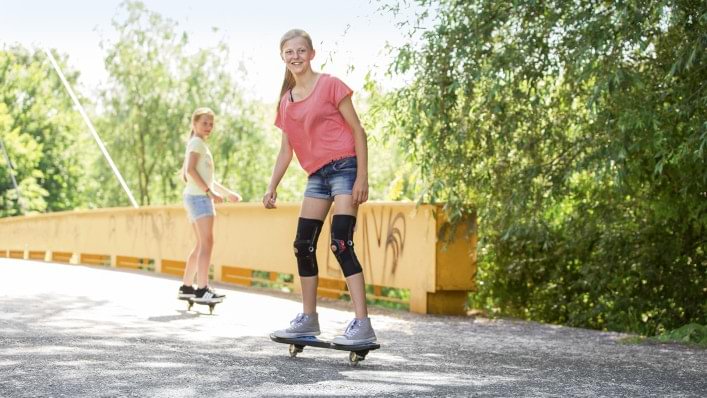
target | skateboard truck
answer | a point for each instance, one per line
(190, 303)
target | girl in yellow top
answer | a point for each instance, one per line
(200, 193)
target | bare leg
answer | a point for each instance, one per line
(190, 268)
(309, 293)
(315, 209)
(205, 230)
(343, 204)
(357, 290)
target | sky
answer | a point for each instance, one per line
(350, 35)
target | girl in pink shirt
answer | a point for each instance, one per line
(319, 123)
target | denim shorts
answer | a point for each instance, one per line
(198, 206)
(334, 178)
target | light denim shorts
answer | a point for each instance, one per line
(334, 178)
(198, 206)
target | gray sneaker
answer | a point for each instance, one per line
(359, 331)
(302, 325)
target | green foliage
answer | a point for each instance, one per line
(692, 333)
(391, 176)
(155, 83)
(398, 299)
(41, 133)
(578, 131)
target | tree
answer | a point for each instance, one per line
(41, 132)
(155, 84)
(577, 130)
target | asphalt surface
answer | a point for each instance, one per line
(77, 331)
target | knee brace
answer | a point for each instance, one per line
(305, 246)
(342, 227)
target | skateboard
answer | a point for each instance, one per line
(357, 353)
(190, 303)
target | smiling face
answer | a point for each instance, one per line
(203, 125)
(297, 54)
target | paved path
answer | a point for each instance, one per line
(79, 331)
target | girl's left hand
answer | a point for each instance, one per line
(234, 197)
(360, 191)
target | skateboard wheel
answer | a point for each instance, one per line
(295, 349)
(189, 305)
(355, 358)
(211, 309)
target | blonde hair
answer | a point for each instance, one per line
(289, 81)
(198, 113)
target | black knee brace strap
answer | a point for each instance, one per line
(306, 246)
(342, 227)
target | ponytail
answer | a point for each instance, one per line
(287, 84)
(183, 171)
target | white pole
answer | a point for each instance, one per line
(91, 128)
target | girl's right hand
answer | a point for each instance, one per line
(216, 197)
(269, 199)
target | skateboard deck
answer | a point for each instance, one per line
(357, 353)
(190, 303)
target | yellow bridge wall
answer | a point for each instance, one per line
(397, 244)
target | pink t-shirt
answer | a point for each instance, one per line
(314, 126)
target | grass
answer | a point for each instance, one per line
(692, 334)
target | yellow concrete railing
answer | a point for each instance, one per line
(397, 244)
